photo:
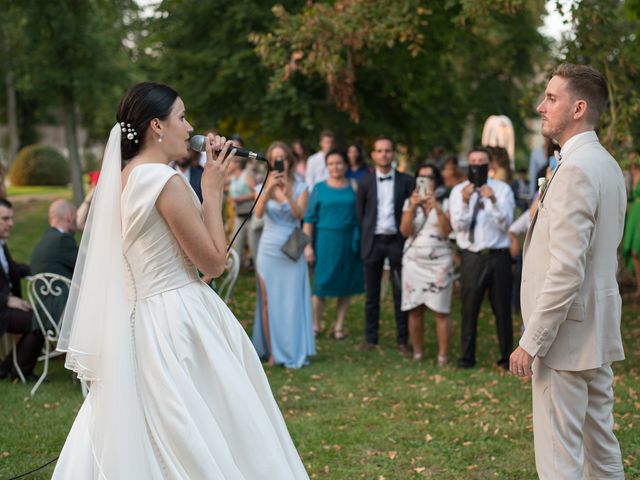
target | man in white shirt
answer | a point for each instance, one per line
(481, 216)
(316, 170)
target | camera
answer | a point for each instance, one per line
(278, 165)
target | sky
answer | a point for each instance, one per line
(553, 26)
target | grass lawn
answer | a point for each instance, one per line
(352, 415)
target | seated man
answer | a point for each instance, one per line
(15, 313)
(57, 252)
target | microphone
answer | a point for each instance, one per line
(198, 144)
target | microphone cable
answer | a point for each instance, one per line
(252, 207)
(22, 475)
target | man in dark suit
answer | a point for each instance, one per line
(57, 252)
(190, 169)
(15, 313)
(380, 198)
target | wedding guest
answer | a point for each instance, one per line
(631, 240)
(331, 223)
(283, 325)
(427, 266)
(300, 153)
(451, 173)
(357, 164)
(481, 213)
(241, 192)
(56, 252)
(15, 313)
(316, 169)
(189, 167)
(380, 197)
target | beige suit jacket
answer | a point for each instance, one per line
(571, 304)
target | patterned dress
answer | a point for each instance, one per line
(427, 266)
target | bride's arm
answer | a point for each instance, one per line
(204, 242)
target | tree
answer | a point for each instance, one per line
(407, 70)
(76, 60)
(605, 37)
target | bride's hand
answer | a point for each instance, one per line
(219, 151)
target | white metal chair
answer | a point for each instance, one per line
(41, 286)
(228, 281)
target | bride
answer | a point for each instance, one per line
(177, 390)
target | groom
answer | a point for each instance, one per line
(571, 306)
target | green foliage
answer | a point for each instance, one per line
(606, 38)
(409, 71)
(39, 165)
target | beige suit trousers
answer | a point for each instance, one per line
(573, 424)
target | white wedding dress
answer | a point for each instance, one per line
(207, 407)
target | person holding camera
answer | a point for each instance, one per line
(481, 211)
(427, 265)
(283, 326)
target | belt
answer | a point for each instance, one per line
(489, 251)
(387, 237)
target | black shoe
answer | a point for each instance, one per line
(504, 364)
(367, 347)
(404, 349)
(466, 364)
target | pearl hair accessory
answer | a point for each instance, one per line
(130, 131)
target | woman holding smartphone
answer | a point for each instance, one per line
(427, 266)
(283, 326)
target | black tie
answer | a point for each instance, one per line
(474, 219)
(382, 179)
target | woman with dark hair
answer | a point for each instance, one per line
(333, 226)
(300, 154)
(282, 329)
(357, 164)
(176, 389)
(427, 266)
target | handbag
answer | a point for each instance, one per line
(294, 246)
(243, 209)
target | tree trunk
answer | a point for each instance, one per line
(69, 113)
(466, 142)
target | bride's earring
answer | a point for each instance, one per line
(160, 139)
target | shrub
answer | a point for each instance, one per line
(39, 165)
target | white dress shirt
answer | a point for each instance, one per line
(567, 145)
(3, 258)
(386, 219)
(492, 222)
(316, 170)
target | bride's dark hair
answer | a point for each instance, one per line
(138, 106)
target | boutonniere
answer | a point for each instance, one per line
(542, 185)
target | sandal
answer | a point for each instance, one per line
(338, 334)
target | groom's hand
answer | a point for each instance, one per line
(520, 363)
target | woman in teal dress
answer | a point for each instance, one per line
(631, 241)
(331, 222)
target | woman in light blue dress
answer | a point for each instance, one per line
(283, 326)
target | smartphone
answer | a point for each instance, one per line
(278, 165)
(424, 185)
